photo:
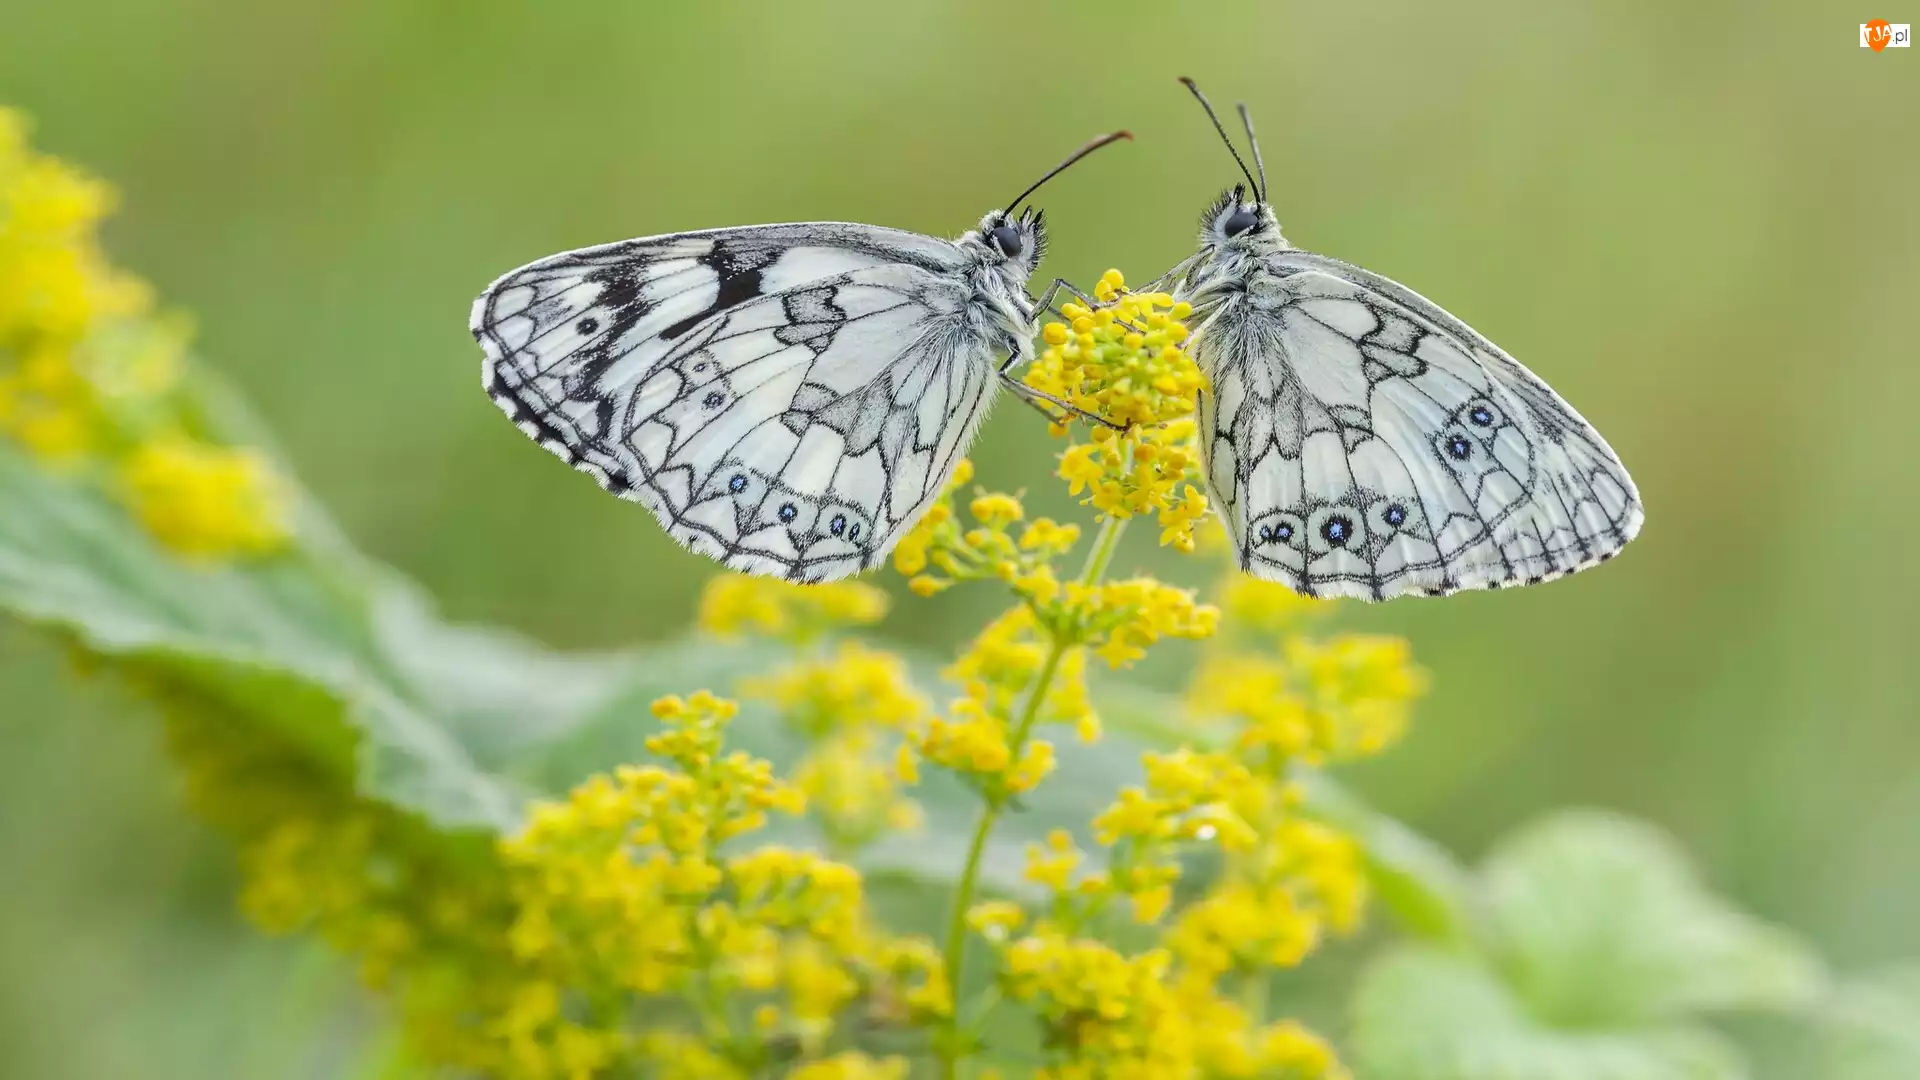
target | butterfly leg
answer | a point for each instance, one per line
(1034, 397)
(1046, 298)
(1046, 301)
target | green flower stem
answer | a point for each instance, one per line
(1104, 545)
(949, 1047)
(1253, 996)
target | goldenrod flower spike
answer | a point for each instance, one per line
(88, 372)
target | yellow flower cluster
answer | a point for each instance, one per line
(940, 542)
(425, 919)
(1297, 698)
(203, 500)
(1284, 882)
(852, 704)
(733, 605)
(1117, 620)
(1107, 1014)
(55, 287)
(624, 887)
(87, 369)
(986, 734)
(1174, 1008)
(1029, 667)
(1123, 360)
(576, 949)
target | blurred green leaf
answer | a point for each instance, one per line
(1872, 1027)
(1601, 921)
(1594, 946)
(1422, 1013)
(340, 658)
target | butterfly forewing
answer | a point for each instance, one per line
(1362, 442)
(785, 399)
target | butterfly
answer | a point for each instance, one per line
(1360, 441)
(786, 399)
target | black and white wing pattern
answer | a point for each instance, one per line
(786, 399)
(1362, 442)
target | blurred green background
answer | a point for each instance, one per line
(1699, 222)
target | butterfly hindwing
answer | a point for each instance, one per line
(1363, 442)
(785, 399)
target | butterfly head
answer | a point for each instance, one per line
(1014, 239)
(1017, 241)
(1239, 219)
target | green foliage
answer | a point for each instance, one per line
(1425, 1014)
(1600, 922)
(1598, 951)
(1872, 1027)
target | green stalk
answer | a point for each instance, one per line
(1104, 545)
(949, 1049)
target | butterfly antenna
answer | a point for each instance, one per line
(1104, 140)
(1246, 120)
(1217, 126)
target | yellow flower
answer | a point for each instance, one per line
(1239, 926)
(85, 369)
(1267, 607)
(1123, 360)
(854, 686)
(206, 501)
(851, 1065)
(1347, 696)
(624, 887)
(733, 605)
(1053, 864)
(1291, 1050)
(853, 791)
(851, 706)
(936, 531)
(995, 919)
(996, 511)
(1123, 618)
(54, 282)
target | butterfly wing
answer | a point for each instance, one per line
(786, 399)
(1363, 442)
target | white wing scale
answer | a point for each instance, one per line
(1362, 442)
(785, 399)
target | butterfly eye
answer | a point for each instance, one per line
(1239, 221)
(1007, 239)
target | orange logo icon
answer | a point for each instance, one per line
(1879, 32)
